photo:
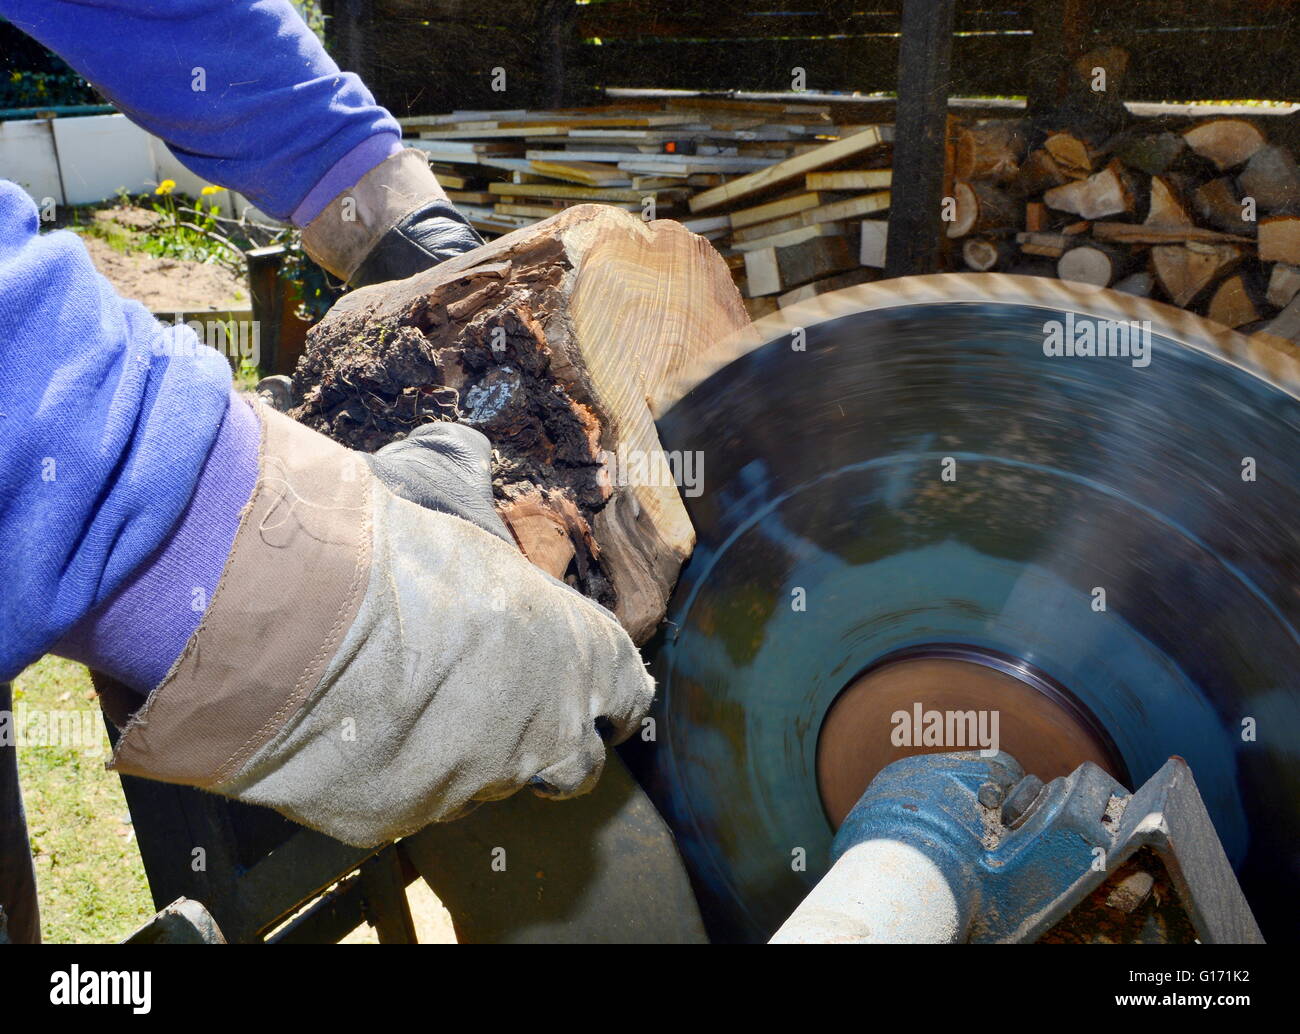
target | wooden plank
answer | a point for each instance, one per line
(451, 181)
(707, 223)
(850, 208)
(1133, 233)
(789, 238)
(1047, 245)
(544, 211)
(591, 174)
(689, 166)
(776, 209)
(915, 217)
(480, 134)
(873, 243)
(574, 121)
(562, 190)
(792, 168)
(850, 179)
(460, 152)
(470, 197)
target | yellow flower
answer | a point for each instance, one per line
(209, 189)
(166, 187)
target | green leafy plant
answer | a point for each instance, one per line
(190, 231)
(25, 89)
(312, 289)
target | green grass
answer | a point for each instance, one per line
(90, 879)
(246, 376)
(112, 234)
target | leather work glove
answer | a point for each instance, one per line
(369, 663)
(445, 467)
(395, 222)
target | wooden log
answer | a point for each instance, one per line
(774, 270)
(990, 149)
(560, 342)
(1283, 285)
(1036, 217)
(1233, 304)
(1093, 264)
(1038, 172)
(1044, 245)
(1152, 153)
(1096, 104)
(1139, 284)
(1272, 178)
(1227, 142)
(1218, 203)
(1286, 324)
(1166, 210)
(984, 255)
(1279, 239)
(757, 308)
(1105, 193)
(1186, 270)
(1071, 154)
(981, 206)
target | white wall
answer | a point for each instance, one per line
(84, 159)
(27, 158)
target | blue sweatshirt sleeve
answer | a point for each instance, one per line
(106, 419)
(241, 90)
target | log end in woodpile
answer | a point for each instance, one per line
(560, 342)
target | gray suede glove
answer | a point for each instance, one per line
(378, 654)
(445, 467)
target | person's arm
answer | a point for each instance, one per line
(241, 91)
(106, 420)
(246, 97)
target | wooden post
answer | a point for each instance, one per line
(924, 57)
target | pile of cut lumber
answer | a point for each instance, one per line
(794, 200)
(1204, 216)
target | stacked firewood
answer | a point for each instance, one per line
(1206, 218)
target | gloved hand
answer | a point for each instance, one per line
(394, 223)
(445, 467)
(368, 664)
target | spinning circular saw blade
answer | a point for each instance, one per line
(908, 501)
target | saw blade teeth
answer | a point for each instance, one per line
(1271, 358)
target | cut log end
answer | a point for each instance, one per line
(559, 342)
